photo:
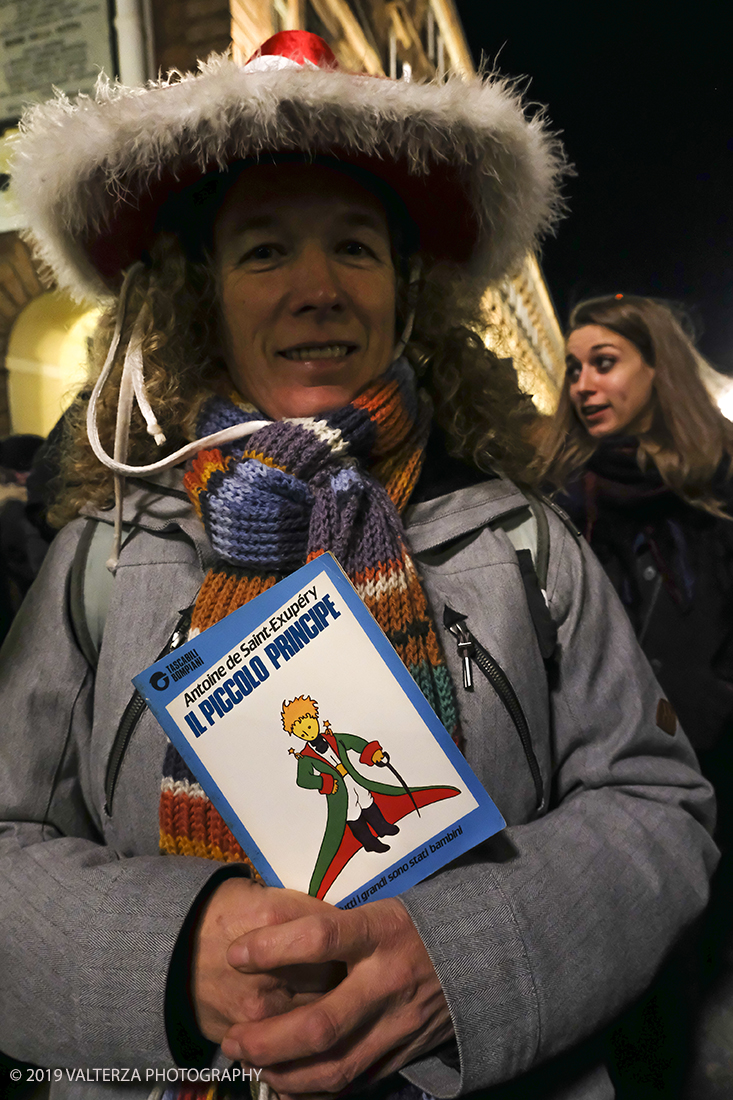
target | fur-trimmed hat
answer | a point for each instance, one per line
(477, 175)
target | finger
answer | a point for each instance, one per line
(364, 1056)
(235, 998)
(313, 1080)
(347, 1072)
(275, 905)
(316, 1029)
(325, 936)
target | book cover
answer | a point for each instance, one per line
(316, 746)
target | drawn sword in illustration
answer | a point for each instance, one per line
(384, 763)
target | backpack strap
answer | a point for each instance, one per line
(544, 625)
(89, 595)
(528, 529)
(90, 587)
(542, 554)
(529, 533)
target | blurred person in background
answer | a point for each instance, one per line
(22, 547)
(642, 456)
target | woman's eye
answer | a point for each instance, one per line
(261, 253)
(573, 372)
(356, 248)
(604, 363)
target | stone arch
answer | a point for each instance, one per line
(19, 285)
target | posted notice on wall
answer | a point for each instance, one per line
(47, 44)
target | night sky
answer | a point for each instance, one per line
(643, 95)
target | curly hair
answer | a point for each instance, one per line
(688, 437)
(477, 401)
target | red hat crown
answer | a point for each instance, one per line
(299, 46)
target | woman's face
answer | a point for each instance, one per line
(306, 288)
(611, 385)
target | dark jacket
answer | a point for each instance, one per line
(672, 566)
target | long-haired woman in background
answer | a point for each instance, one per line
(642, 455)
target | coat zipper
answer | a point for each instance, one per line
(470, 650)
(133, 713)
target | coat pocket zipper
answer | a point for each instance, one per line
(470, 650)
(133, 712)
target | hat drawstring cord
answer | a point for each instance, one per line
(132, 385)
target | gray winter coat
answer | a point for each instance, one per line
(540, 937)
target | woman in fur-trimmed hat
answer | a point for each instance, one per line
(294, 256)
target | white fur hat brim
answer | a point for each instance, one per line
(90, 175)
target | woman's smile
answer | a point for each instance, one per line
(318, 352)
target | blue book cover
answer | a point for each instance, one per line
(316, 746)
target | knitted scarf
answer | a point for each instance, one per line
(300, 487)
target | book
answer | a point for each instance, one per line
(316, 746)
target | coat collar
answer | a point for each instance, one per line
(438, 521)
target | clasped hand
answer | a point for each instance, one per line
(316, 996)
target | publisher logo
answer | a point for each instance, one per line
(159, 681)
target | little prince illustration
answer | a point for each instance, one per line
(361, 810)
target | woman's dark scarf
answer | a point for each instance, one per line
(625, 511)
